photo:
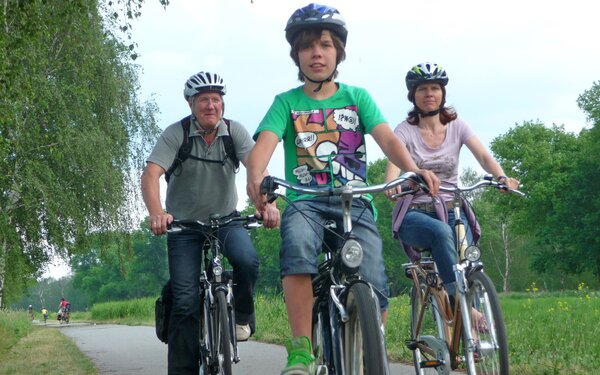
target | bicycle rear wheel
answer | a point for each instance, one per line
(364, 346)
(222, 338)
(489, 333)
(429, 340)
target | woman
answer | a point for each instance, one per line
(434, 135)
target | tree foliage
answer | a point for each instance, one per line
(124, 270)
(72, 134)
(561, 174)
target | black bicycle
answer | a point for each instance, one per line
(218, 344)
(347, 333)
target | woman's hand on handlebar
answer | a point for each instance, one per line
(393, 193)
(159, 222)
(432, 181)
(511, 183)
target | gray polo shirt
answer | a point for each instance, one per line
(198, 188)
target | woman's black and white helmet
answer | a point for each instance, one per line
(316, 15)
(426, 72)
(202, 82)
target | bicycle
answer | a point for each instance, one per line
(218, 343)
(347, 331)
(443, 335)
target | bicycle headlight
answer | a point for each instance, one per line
(217, 270)
(472, 253)
(352, 254)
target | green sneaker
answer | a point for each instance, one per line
(300, 358)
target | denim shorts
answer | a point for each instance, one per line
(302, 237)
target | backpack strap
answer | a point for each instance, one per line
(230, 147)
(186, 148)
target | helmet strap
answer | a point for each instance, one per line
(429, 114)
(328, 79)
(201, 131)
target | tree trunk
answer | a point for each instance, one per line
(506, 271)
(3, 254)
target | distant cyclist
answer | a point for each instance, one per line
(30, 311)
(64, 307)
(45, 314)
(201, 185)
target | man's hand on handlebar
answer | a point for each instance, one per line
(270, 215)
(159, 222)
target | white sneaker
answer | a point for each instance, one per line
(242, 332)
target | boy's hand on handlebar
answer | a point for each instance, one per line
(253, 191)
(159, 223)
(432, 181)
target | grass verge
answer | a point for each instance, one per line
(547, 334)
(27, 348)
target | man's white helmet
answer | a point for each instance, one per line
(203, 82)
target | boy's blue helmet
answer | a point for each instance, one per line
(316, 15)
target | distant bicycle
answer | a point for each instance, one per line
(218, 344)
(64, 317)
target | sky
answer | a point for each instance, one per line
(508, 61)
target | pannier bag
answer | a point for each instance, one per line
(162, 312)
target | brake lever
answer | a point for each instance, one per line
(268, 186)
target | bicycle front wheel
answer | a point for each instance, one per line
(222, 337)
(364, 346)
(488, 330)
(428, 333)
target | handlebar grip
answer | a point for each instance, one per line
(419, 181)
(173, 229)
(268, 186)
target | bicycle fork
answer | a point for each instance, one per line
(462, 288)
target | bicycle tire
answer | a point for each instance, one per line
(318, 333)
(492, 346)
(222, 334)
(431, 325)
(364, 345)
(204, 334)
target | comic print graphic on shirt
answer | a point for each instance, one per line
(330, 147)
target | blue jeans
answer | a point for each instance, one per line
(185, 258)
(422, 229)
(302, 237)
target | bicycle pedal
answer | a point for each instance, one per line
(434, 363)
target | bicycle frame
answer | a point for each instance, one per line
(338, 290)
(214, 280)
(453, 325)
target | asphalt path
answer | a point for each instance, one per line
(135, 350)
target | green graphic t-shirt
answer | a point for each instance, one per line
(324, 141)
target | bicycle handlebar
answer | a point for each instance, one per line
(270, 184)
(250, 222)
(487, 181)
